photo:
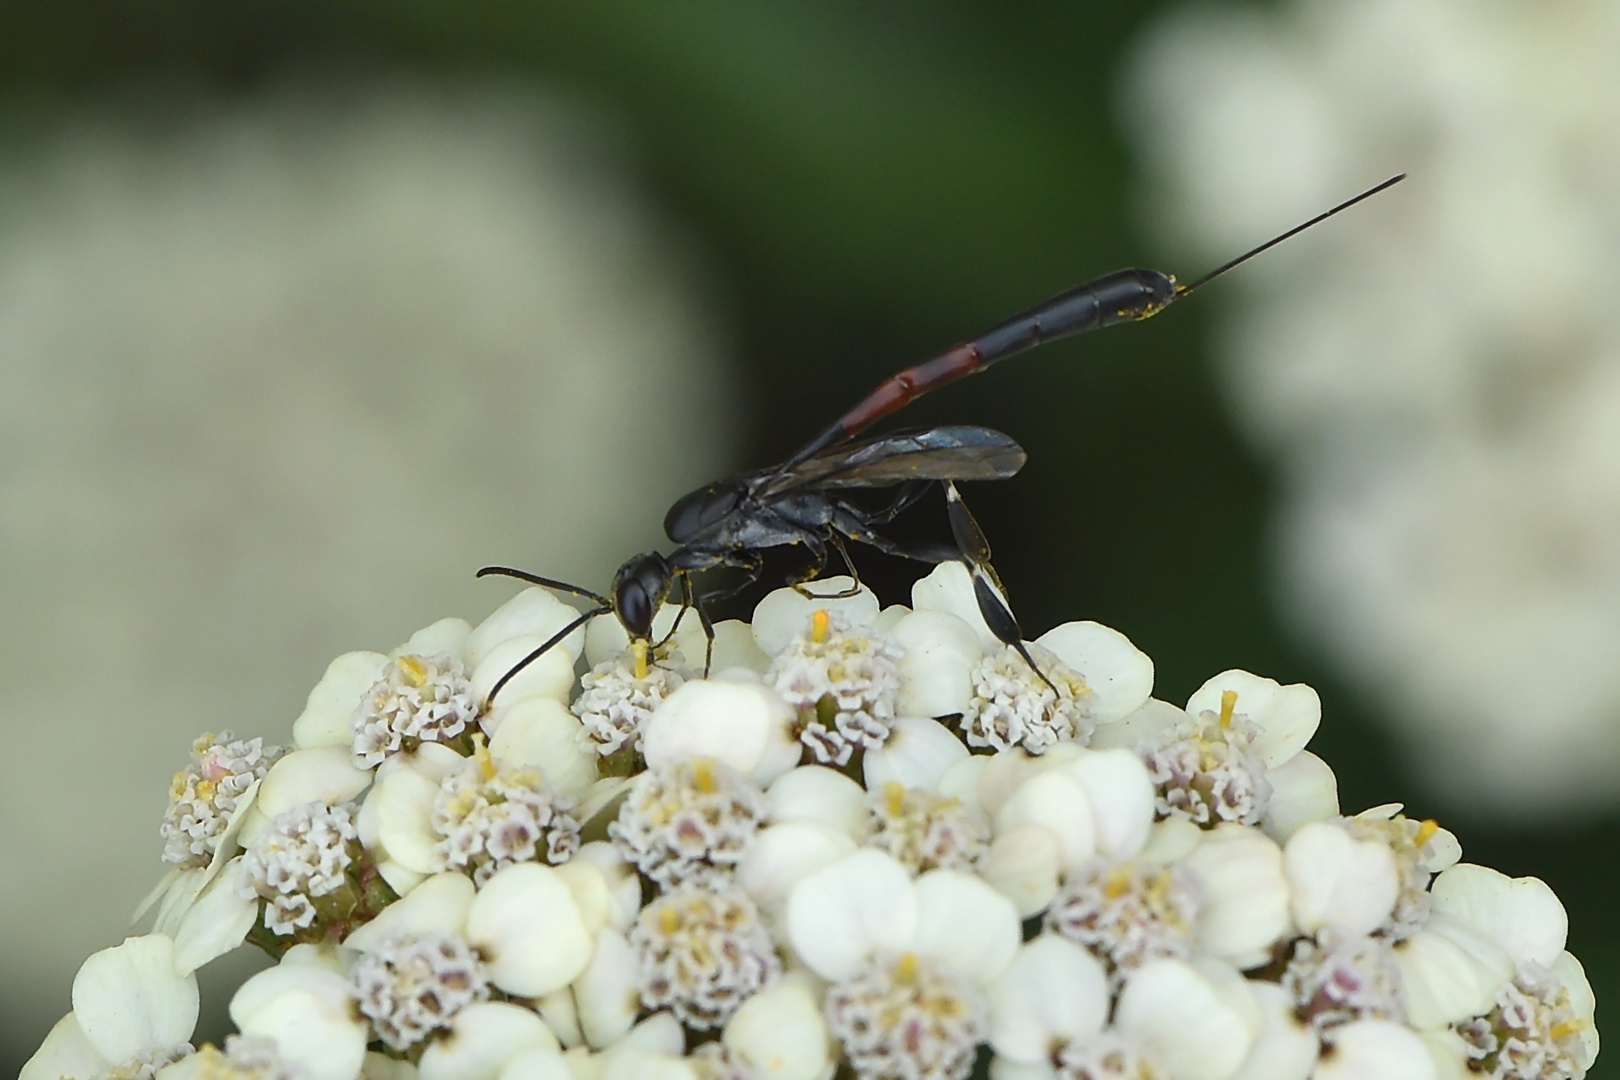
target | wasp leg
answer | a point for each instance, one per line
(751, 563)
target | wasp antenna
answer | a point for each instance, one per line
(1183, 290)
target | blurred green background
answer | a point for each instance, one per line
(868, 184)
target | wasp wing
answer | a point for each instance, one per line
(952, 452)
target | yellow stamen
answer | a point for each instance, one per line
(1569, 1027)
(205, 790)
(177, 786)
(703, 776)
(894, 795)
(1228, 703)
(638, 649)
(1117, 881)
(905, 969)
(486, 761)
(669, 920)
(414, 670)
(820, 620)
(1426, 830)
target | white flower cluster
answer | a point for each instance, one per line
(1437, 374)
(869, 845)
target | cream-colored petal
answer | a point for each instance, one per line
(842, 914)
(963, 923)
(1582, 1002)
(1122, 799)
(217, 923)
(623, 883)
(324, 774)
(540, 733)
(918, 754)
(1057, 801)
(936, 668)
(65, 1055)
(1303, 790)
(482, 1039)
(1120, 675)
(447, 637)
(734, 647)
(1145, 725)
(1186, 1021)
(1023, 865)
(439, 905)
(1338, 882)
(607, 993)
(732, 722)
(779, 1033)
(784, 613)
(532, 613)
(329, 713)
(551, 674)
(1244, 909)
(814, 793)
(782, 855)
(537, 1064)
(1522, 915)
(530, 931)
(1054, 992)
(1287, 715)
(130, 998)
(1376, 1050)
(1449, 972)
(1284, 1048)
(949, 588)
(404, 818)
(309, 1012)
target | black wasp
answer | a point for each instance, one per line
(730, 523)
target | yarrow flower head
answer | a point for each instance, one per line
(204, 795)
(418, 699)
(843, 681)
(1124, 891)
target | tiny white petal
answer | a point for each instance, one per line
(1303, 790)
(541, 734)
(733, 722)
(404, 818)
(537, 1064)
(130, 998)
(1145, 725)
(329, 711)
(1000, 775)
(606, 994)
(1449, 972)
(438, 905)
(784, 613)
(734, 646)
(217, 923)
(950, 588)
(309, 1013)
(1185, 1021)
(623, 883)
(1376, 1050)
(1569, 973)
(535, 613)
(551, 674)
(1522, 915)
(918, 754)
(592, 893)
(1122, 799)
(1338, 881)
(1284, 1049)
(1172, 840)
(560, 1013)
(482, 1039)
(324, 774)
(814, 793)
(1023, 865)
(1120, 675)
(1053, 992)
(660, 1033)
(842, 914)
(965, 924)
(65, 1053)
(447, 636)
(1449, 1053)
(961, 781)
(529, 930)
(1245, 905)
(1058, 802)
(936, 669)
(779, 1033)
(782, 855)
(1287, 715)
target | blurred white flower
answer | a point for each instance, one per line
(1438, 375)
(280, 372)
